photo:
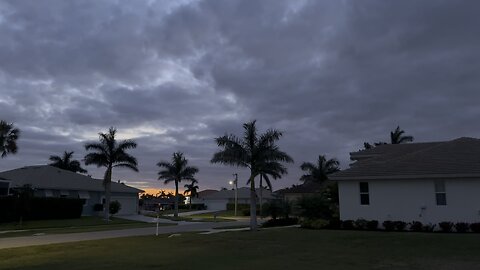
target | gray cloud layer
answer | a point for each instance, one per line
(173, 75)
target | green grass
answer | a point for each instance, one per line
(269, 249)
(84, 224)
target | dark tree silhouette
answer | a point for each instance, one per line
(110, 153)
(8, 138)
(397, 137)
(319, 172)
(176, 171)
(192, 191)
(66, 162)
(252, 152)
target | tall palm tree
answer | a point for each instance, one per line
(110, 153)
(8, 138)
(176, 171)
(252, 152)
(319, 172)
(192, 191)
(65, 162)
(397, 137)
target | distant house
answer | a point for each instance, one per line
(49, 181)
(218, 200)
(292, 194)
(426, 182)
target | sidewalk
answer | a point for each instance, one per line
(75, 237)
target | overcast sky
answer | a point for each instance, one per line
(174, 74)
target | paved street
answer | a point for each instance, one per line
(75, 237)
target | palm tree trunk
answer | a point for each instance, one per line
(261, 195)
(253, 205)
(108, 184)
(175, 214)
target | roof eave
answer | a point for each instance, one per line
(404, 177)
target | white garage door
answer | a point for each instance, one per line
(129, 205)
(216, 204)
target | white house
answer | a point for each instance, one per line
(218, 200)
(426, 182)
(49, 181)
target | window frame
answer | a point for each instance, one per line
(440, 193)
(364, 193)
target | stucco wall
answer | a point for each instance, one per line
(410, 200)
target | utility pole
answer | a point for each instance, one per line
(236, 191)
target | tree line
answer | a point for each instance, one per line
(259, 153)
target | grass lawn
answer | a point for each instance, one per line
(268, 249)
(84, 224)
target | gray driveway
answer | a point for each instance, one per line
(75, 237)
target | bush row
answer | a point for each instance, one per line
(414, 226)
(12, 208)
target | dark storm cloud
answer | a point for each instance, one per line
(173, 75)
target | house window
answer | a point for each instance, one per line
(440, 193)
(364, 195)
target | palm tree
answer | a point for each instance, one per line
(319, 172)
(176, 171)
(110, 153)
(269, 169)
(66, 163)
(397, 137)
(192, 190)
(8, 138)
(252, 151)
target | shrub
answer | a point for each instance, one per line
(115, 206)
(360, 224)
(347, 225)
(429, 227)
(462, 227)
(475, 227)
(316, 224)
(388, 225)
(400, 225)
(315, 207)
(334, 223)
(416, 226)
(14, 208)
(280, 222)
(277, 208)
(372, 225)
(98, 207)
(446, 226)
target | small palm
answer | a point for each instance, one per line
(175, 171)
(8, 138)
(66, 162)
(319, 172)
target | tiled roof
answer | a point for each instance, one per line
(456, 158)
(308, 187)
(48, 177)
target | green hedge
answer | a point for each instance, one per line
(12, 208)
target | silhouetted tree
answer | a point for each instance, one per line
(8, 138)
(176, 171)
(110, 153)
(397, 137)
(269, 169)
(319, 172)
(252, 152)
(65, 162)
(192, 191)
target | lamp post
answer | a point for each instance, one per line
(235, 182)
